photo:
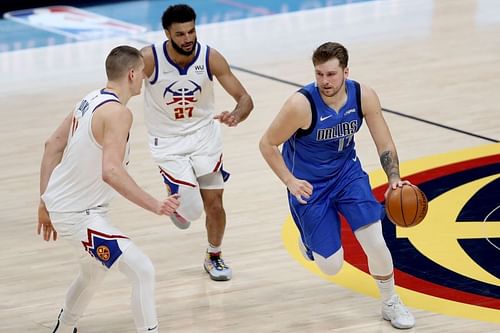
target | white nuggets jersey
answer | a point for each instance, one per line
(76, 183)
(178, 101)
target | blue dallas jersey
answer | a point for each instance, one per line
(326, 149)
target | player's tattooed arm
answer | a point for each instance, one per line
(390, 164)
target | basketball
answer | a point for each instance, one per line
(406, 206)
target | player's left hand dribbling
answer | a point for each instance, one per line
(395, 184)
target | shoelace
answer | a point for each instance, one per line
(218, 262)
(400, 308)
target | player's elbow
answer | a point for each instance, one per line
(250, 102)
(265, 146)
(110, 174)
(54, 145)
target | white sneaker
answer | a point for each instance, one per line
(214, 265)
(179, 221)
(395, 311)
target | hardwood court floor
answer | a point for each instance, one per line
(435, 60)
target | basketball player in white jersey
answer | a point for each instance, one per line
(83, 165)
(184, 136)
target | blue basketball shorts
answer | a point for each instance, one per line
(318, 221)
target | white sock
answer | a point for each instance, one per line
(386, 288)
(213, 249)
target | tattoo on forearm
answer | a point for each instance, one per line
(390, 163)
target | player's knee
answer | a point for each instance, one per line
(332, 264)
(213, 205)
(145, 269)
(330, 268)
(192, 211)
(215, 209)
(191, 206)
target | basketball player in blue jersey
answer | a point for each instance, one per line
(323, 174)
(83, 166)
(183, 128)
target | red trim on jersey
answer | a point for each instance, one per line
(217, 166)
(175, 181)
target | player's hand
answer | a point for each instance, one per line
(300, 189)
(231, 119)
(44, 226)
(395, 184)
(169, 205)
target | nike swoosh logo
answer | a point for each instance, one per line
(355, 158)
(324, 118)
(153, 328)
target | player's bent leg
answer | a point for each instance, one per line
(190, 209)
(140, 272)
(80, 293)
(211, 186)
(191, 206)
(332, 264)
(381, 267)
(373, 243)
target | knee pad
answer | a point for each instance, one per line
(332, 264)
(372, 241)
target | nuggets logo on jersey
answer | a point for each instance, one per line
(448, 263)
(182, 95)
(174, 103)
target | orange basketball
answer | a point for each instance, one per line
(406, 206)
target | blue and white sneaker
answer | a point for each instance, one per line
(216, 268)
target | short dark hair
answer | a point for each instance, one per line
(331, 50)
(180, 13)
(120, 60)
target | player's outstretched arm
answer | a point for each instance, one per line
(111, 125)
(381, 136)
(295, 114)
(244, 104)
(52, 156)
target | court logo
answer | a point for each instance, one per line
(449, 263)
(73, 22)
